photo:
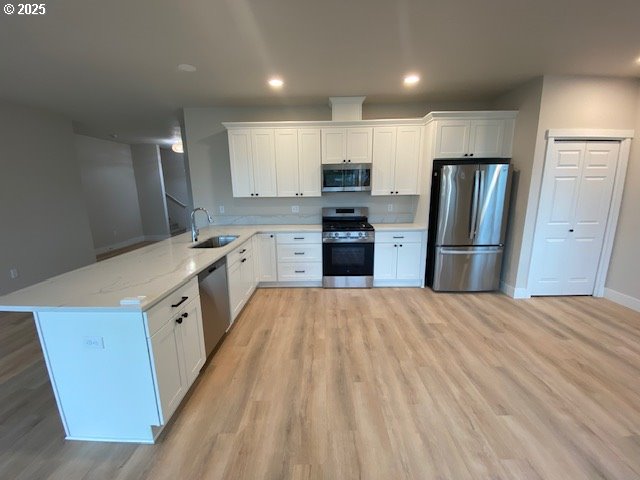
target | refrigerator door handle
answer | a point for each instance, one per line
(479, 203)
(474, 205)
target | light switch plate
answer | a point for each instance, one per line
(221, 208)
(93, 342)
(295, 209)
(390, 207)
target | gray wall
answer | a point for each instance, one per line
(150, 185)
(110, 192)
(175, 184)
(210, 176)
(574, 102)
(624, 271)
(45, 227)
(526, 99)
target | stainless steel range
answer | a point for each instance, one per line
(347, 248)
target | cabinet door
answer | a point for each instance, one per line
(264, 162)
(359, 145)
(334, 145)
(247, 277)
(452, 138)
(385, 261)
(241, 162)
(192, 340)
(265, 261)
(166, 347)
(384, 161)
(407, 164)
(486, 138)
(236, 292)
(409, 261)
(309, 162)
(286, 147)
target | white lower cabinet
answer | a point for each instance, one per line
(178, 355)
(299, 257)
(241, 277)
(398, 259)
(265, 257)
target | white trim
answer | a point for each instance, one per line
(616, 197)
(588, 134)
(622, 299)
(511, 291)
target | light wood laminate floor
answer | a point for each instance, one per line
(370, 384)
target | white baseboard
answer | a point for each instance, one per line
(622, 299)
(511, 291)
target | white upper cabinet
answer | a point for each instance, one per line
(396, 160)
(286, 141)
(298, 162)
(347, 145)
(309, 162)
(264, 162)
(334, 145)
(241, 162)
(359, 145)
(477, 138)
(253, 162)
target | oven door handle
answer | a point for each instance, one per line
(347, 240)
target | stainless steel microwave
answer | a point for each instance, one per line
(348, 177)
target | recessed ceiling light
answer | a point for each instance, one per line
(185, 67)
(177, 147)
(411, 79)
(276, 82)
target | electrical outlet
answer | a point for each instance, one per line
(13, 273)
(390, 207)
(221, 208)
(93, 342)
(295, 209)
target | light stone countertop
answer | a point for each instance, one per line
(150, 273)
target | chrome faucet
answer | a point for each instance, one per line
(194, 229)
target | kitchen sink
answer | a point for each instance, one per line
(216, 242)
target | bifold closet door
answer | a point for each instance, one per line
(575, 199)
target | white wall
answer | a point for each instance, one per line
(624, 270)
(45, 227)
(110, 192)
(150, 185)
(175, 184)
(210, 176)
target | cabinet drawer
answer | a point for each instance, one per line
(293, 238)
(169, 306)
(300, 253)
(240, 252)
(395, 237)
(291, 272)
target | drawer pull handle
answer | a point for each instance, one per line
(398, 237)
(300, 271)
(298, 253)
(298, 238)
(184, 299)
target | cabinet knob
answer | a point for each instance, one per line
(396, 245)
(301, 194)
(471, 154)
(297, 194)
(344, 161)
(401, 245)
(391, 192)
(185, 314)
(252, 194)
(270, 236)
(257, 194)
(243, 260)
(179, 320)
(466, 154)
(571, 230)
(396, 192)
(349, 161)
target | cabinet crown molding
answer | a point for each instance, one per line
(502, 114)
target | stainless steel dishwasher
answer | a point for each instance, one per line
(214, 299)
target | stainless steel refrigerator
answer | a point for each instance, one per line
(467, 223)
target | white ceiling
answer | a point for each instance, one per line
(112, 65)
